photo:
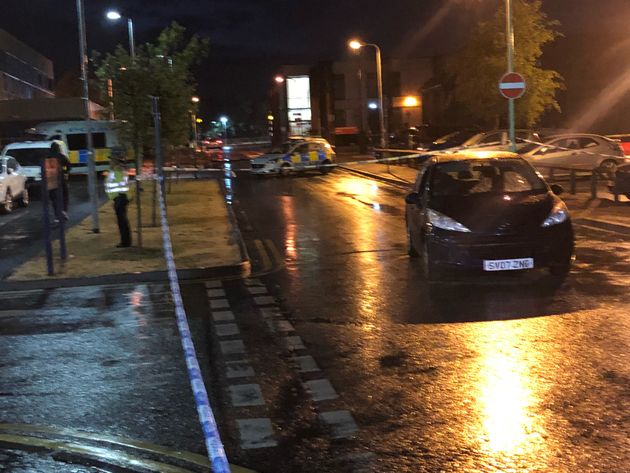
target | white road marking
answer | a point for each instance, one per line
(293, 342)
(245, 395)
(257, 290)
(232, 347)
(283, 326)
(264, 300)
(226, 330)
(321, 390)
(238, 369)
(256, 433)
(219, 304)
(215, 293)
(305, 364)
(341, 422)
(223, 316)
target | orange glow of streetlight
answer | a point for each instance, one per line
(355, 44)
(411, 101)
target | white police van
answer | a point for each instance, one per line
(297, 154)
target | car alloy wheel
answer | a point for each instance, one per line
(609, 168)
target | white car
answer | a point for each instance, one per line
(29, 155)
(499, 140)
(12, 184)
(576, 151)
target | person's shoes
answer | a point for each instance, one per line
(55, 220)
(120, 245)
(65, 216)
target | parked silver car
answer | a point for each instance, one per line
(12, 184)
(581, 151)
(498, 140)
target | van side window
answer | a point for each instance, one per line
(98, 139)
(77, 141)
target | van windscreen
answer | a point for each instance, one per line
(29, 156)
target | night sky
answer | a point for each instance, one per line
(251, 38)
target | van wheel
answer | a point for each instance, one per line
(285, 170)
(325, 168)
(7, 206)
(25, 199)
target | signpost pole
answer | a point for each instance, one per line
(45, 204)
(510, 68)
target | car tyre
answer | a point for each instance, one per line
(561, 268)
(325, 168)
(429, 270)
(285, 170)
(25, 199)
(7, 206)
(411, 250)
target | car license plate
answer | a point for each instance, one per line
(508, 264)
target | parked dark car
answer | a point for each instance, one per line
(452, 140)
(486, 211)
(621, 184)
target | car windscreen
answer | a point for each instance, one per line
(28, 156)
(284, 148)
(469, 178)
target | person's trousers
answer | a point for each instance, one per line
(56, 202)
(120, 207)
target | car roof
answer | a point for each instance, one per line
(29, 144)
(474, 155)
(576, 135)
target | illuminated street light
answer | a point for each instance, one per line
(113, 15)
(270, 118)
(356, 45)
(224, 120)
(194, 99)
(410, 101)
(279, 79)
(372, 105)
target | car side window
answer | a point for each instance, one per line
(314, 147)
(12, 164)
(302, 148)
(587, 143)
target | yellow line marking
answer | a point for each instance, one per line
(279, 260)
(189, 457)
(264, 256)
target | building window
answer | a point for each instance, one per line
(339, 86)
(340, 118)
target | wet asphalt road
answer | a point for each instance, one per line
(505, 373)
(477, 374)
(21, 232)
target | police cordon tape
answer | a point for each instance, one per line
(214, 446)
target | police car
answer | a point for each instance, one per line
(295, 155)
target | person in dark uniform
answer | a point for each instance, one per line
(64, 166)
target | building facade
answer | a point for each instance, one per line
(24, 73)
(339, 100)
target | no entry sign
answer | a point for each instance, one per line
(512, 85)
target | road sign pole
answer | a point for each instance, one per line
(510, 68)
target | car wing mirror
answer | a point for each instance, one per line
(412, 198)
(557, 189)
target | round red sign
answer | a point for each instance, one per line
(512, 85)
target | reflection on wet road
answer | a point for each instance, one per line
(508, 372)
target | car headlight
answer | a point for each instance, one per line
(440, 220)
(559, 213)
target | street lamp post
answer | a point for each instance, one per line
(224, 120)
(86, 110)
(509, 33)
(356, 45)
(115, 16)
(194, 100)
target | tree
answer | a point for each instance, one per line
(162, 69)
(478, 67)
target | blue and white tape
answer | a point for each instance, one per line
(214, 446)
